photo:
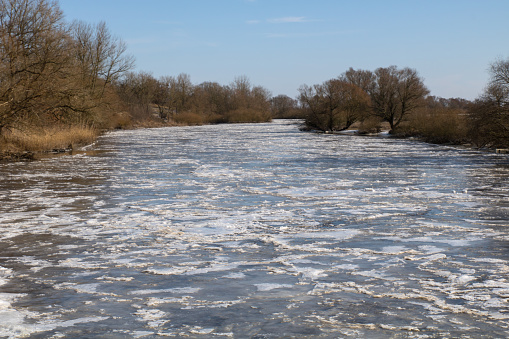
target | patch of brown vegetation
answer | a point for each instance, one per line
(47, 139)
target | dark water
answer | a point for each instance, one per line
(255, 231)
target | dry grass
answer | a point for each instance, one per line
(47, 139)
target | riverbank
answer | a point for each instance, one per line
(16, 145)
(21, 145)
(385, 133)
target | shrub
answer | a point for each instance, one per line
(370, 125)
(247, 115)
(189, 118)
(437, 125)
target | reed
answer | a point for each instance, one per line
(48, 138)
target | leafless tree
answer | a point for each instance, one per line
(138, 90)
(101, 57)
(212, 100)
(33, 60)
(490, 112)
(282, 106)
(396, 94)
(181, 90)
(363, 79)
(499, 71)
(333, 105)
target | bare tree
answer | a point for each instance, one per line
(490, 113)
(212, 100)
(33, 60)
(181, 90)
(333, 105)
(499, 71)
(363, 79)
(101, 57)
(247, 103)
(282, 106)
(396, 94)
(138, 90)
(161, 97)
(260, 99)
(241, 89)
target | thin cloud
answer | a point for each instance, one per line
(252, 22)
(288, 20)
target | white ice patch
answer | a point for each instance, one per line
(5, 273)
(12, 324)
(394, 249)
(201, 331)
(154, 318)
(310, 273)
(177, 290)
(263, 287)
(377, 274)
(430, 249)
(347, 267)
(336, 234)
(141, 334)
(190, 270)
(237, 275)
(81, 288)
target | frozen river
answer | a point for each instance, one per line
(255, 231)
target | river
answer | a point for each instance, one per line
(255, 231)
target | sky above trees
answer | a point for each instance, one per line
(282, 44)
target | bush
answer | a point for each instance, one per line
(247, 115)
(120, 120)
(437, 125)
(215, 119)
(370, 125)
(189, 118)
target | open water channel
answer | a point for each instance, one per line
(255, 231)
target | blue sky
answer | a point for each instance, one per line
(282, 44)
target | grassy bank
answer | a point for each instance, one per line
(47, 139)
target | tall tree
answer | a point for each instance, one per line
(396, 93)
(34, 59)
(101, 57)
(181, 90)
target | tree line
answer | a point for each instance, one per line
(399, 99)
(57, 74)
(174, 99)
